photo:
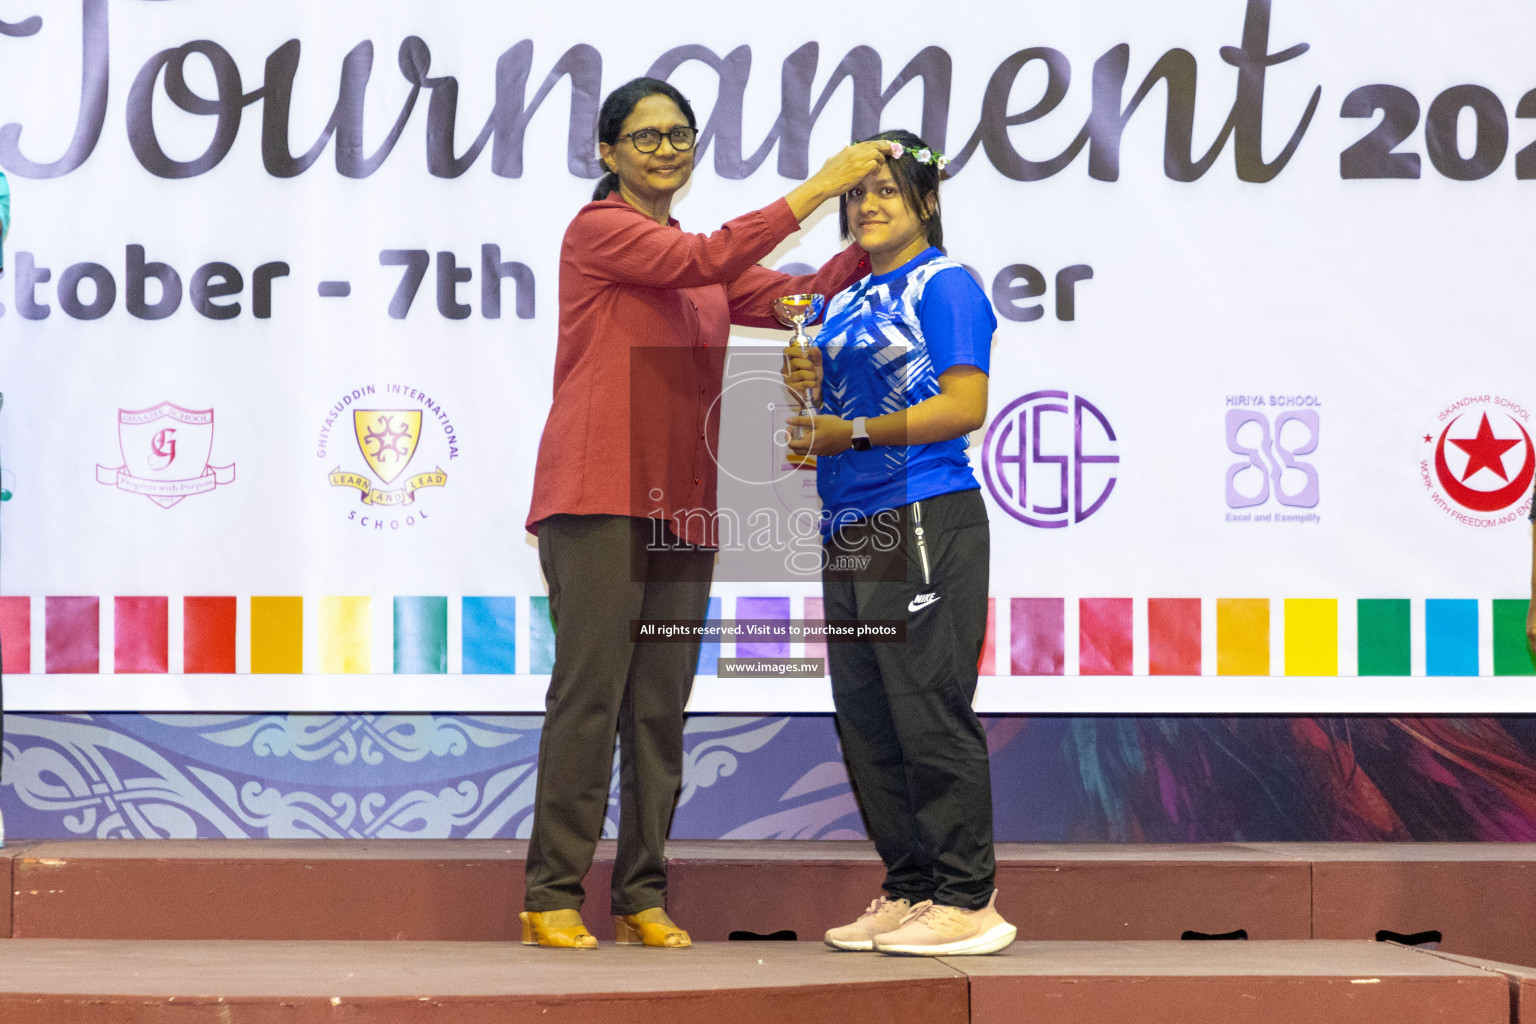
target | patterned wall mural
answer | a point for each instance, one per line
(1144, 779)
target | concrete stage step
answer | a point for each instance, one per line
(1481, 897)
(472, 889)
(74, 981)
(1049, 891)
(1522, 982)
(1316, 982)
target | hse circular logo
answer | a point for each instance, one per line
(1477, 461)
(1050, 459)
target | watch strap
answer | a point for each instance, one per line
(861, 440)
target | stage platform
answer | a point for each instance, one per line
(472, 890)
(75, 981)
(1481, 898)
(104, 932)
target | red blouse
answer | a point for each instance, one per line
(645, 314)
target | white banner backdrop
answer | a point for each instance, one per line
(1261, 391)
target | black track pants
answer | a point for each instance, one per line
(914, 747)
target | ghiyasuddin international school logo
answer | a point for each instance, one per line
(1050, 459)
(1477, 461)
(389, 442)
(165, 454)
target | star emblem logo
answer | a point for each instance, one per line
(1486, 483)
(1484, 451)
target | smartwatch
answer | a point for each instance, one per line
(861, 442)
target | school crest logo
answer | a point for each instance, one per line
(1477, 461)
(388, 443)
(387, 439)
(166, 450)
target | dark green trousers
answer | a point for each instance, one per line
(604, 572)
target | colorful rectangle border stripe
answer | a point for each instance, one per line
(1025, 636)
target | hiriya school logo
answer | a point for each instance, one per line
(1272, 433)
(1477, 461)
(165, 454)
(390, 443)
(1049, 459)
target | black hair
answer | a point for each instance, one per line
(917, 183)
(619, 105)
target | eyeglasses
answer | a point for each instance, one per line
(648, 140)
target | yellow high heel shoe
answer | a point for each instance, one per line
(651, 928)
(560, 929)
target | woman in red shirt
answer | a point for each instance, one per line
(624, 493)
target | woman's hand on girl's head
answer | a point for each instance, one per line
(851, 164)
(843, 170)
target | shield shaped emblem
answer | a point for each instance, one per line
(164, 443)
(387, 439)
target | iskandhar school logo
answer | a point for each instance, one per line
(1477, 461)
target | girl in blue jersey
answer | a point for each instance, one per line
(900, 370)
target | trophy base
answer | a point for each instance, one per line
(801, 461)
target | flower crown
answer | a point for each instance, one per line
(922, 156)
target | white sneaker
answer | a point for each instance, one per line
(883, 915)
(934, 930)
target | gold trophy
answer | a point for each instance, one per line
(796, 311)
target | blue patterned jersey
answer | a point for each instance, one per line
(884, 343)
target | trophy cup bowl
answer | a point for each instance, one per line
(796, 311)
